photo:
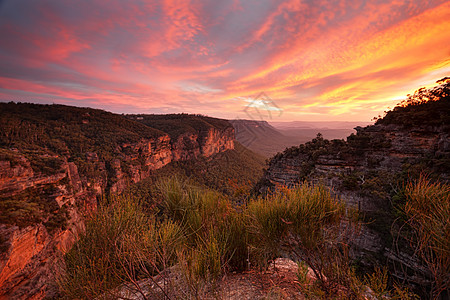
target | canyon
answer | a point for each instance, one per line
(57, 163)
(34, 234)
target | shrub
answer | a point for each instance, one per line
(427, 210)
(378, 281)
(311, 224)
(19, 212)
(120, 244)
(426, 107)
(201, 232)
(208, 221)
(267, 227)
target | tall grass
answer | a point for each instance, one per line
(311, 224)
(210, 223)
(205, 235)
(121, 244)
(427, 210)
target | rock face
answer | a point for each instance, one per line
(204, 143)
(360, 171)
(28, 253)
(376, 147)
(281, 279)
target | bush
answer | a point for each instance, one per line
(120, 244)
(19, 212)
(205, 235)
(427, 210)
(197, 228)
(425, 107)
(311, 224)
(208, 221)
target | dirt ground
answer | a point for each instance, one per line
(277, 282)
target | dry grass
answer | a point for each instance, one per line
(206, 238)
(428, 211)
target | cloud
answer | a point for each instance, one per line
(316, 59)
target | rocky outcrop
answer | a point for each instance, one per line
(203, 143)
(29, 252)
(17, 178)
(281, 277)
(377, 147)
(146, 156)
(363, 171)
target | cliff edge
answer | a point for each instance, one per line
(369, 170)
(56, 160)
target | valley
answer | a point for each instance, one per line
(269, 138)
(92, 201)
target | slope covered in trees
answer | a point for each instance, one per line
(177, 124)
(424, 107)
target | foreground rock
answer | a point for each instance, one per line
(276, 283)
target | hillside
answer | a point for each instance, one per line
(178, 124)
(56, 162)
(370, 171)
(42, 145)
(232, 173)
(269, 139)
(426, 107)
(262, 138)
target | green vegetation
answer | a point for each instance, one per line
(31, 206)
(45, 134)
(424, 107)
(177, 124)
(46, 137)
(199, 229)
(306, 222)
(121, 243)
(201, 234)
(67, 130)
(427, 211)
(232, 173)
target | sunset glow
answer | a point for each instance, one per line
(318, 60)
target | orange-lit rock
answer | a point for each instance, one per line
(31, 253)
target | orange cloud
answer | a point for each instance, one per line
(415, 45)
(317, 59)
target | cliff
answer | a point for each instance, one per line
(369, 170)
(56, 160)
(382, 148)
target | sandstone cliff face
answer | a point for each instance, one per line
(203, 143)
(217, 141)
(393, 146)
(357, 170)
(28, 254)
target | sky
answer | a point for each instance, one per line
(308, 60)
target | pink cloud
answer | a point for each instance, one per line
(325, 56)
